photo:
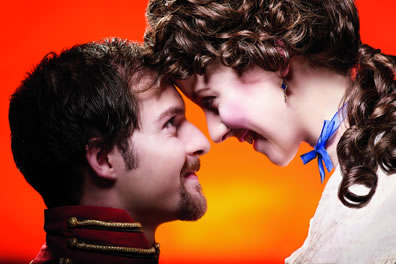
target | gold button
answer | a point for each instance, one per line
(73, 222)
(65, 261)
(73, 242)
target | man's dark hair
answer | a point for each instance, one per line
(81, 96)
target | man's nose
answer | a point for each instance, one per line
(198, 144)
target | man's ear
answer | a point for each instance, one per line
(100, 160)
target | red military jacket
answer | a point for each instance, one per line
(89, 234)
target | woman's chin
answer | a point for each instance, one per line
(262, 146)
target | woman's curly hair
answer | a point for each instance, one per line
(185, 36)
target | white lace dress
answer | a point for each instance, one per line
(343, 235)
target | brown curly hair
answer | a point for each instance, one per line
(185, 36)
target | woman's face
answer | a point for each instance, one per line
(249, 106)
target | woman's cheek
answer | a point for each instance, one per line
(233, 114)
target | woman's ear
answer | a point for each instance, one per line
(284, 72)
(99, 160)
(281, 49)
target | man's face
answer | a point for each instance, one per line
(164, 186)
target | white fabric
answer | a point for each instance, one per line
(343, 235)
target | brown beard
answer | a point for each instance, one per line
(192, 207)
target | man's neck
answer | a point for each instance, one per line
(149, 233)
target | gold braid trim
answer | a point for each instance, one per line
(75, 223)
(73, 243)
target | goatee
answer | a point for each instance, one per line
(192, 206)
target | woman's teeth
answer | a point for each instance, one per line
(250, 137)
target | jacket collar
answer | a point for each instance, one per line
(89, 234)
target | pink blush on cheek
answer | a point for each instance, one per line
(234, 115)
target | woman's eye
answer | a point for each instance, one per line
(208, 103)
(171, 122)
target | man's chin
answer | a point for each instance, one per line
(193, 214)
(192, 205)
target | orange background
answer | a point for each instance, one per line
(258, 213)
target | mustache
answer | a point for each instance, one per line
(190, 166)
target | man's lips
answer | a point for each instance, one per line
(190, 175)
(190, 168)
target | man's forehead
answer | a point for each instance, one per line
(147, 85)
(156, 100)
(143, 81)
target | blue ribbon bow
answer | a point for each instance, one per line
(329, 127)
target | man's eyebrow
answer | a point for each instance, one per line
(173, 110)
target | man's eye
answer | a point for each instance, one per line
(208, 103)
